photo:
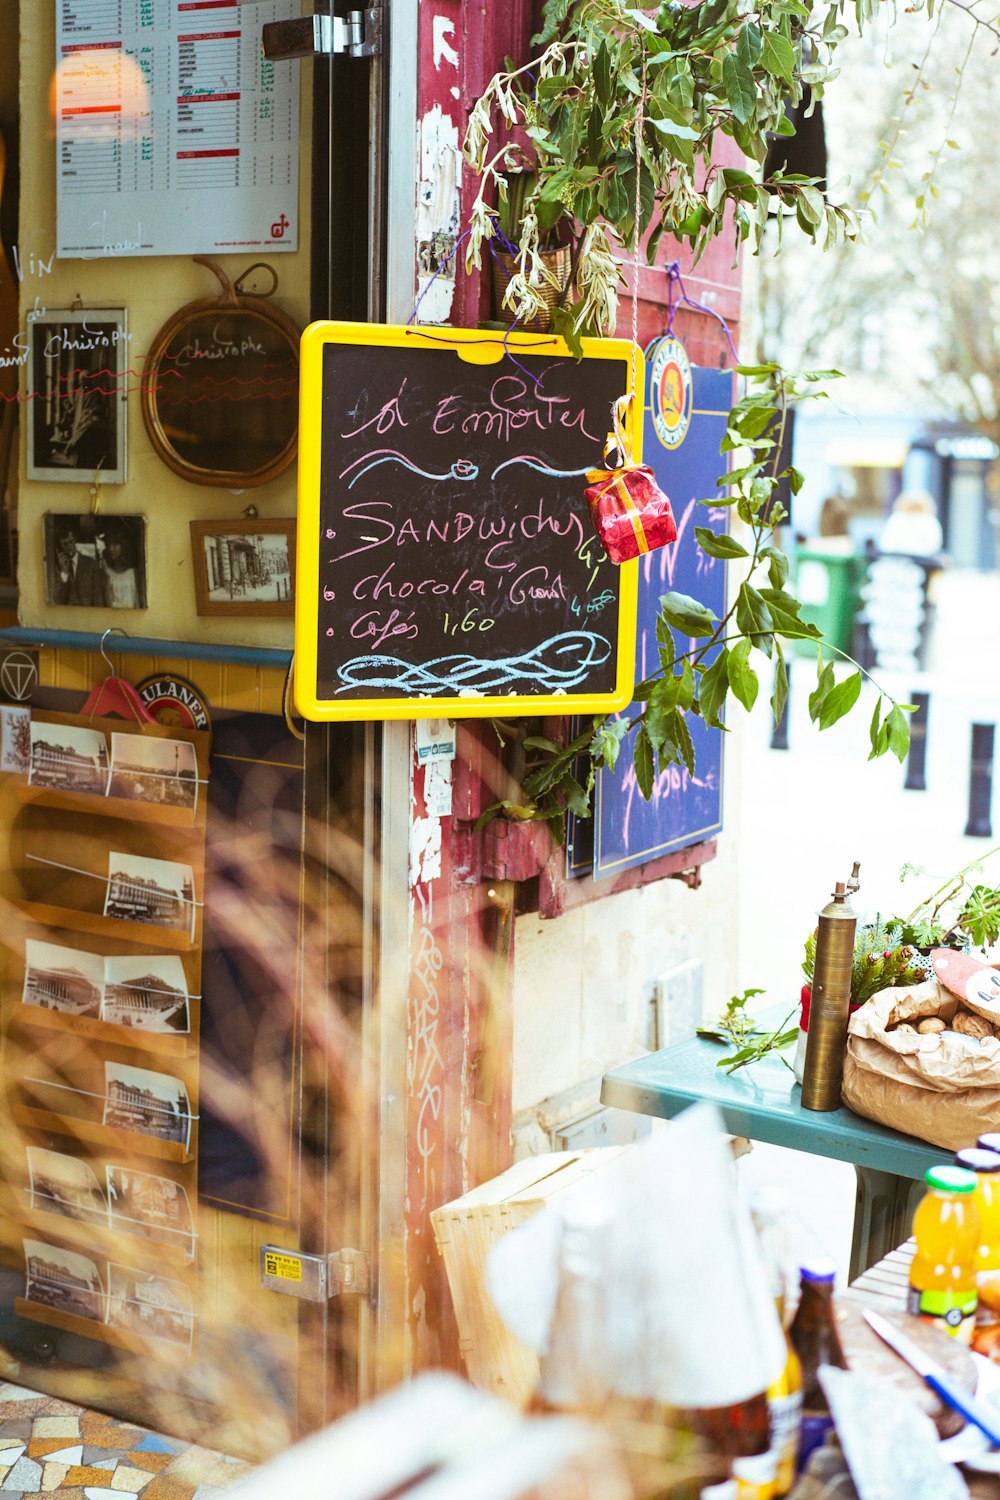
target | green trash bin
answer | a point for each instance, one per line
(828, 579)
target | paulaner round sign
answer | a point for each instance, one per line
(174, 700)
(670, 389)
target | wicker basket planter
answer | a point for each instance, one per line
(558, 261)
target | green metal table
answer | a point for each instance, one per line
(764, 1102)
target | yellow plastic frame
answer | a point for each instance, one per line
(475, 347)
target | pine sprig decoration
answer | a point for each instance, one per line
(881, 960)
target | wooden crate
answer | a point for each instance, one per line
(466, 1229)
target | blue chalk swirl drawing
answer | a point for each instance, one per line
(532, 462)
(556, 666)
(461, 469)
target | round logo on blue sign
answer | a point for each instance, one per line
(671, 392)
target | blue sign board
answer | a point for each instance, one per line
(682, 431)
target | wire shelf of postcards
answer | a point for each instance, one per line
(100, 1014)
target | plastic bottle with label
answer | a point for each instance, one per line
(756, 1477)
(986, 1166)
(943, 1272)
(769, 1211)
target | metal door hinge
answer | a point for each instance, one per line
(312, 1277)
(358, 34)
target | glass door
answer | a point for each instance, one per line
(189, 884)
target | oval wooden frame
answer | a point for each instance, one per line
(232, 300)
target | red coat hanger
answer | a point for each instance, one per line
(114, 695)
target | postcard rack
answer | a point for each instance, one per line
(100, 999)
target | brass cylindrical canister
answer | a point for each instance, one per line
(829, 1010)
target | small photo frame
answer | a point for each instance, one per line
(244, 567)
(95, 561)
(77, 381)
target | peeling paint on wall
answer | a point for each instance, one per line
(425, 850)
(438, 212)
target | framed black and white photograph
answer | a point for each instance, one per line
(147, 992)
(96, 561)
(77, 381)
(156, 891)
(152, 1306)
(69, 980)
(146, 1102)
(65, 1185)
(244, 567)
(144, 769)
(68, 758)
(151, 1206)
(62, 1279)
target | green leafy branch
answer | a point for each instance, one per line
(618, 89)
(703, 660)
(957, 906)
(737, 1028)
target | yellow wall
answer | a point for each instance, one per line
(151, 288)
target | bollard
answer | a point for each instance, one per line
(916, 761)
(863, 651)
(779, 734)
(980, 825)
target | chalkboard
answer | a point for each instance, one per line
(683, 452)
(446, 560)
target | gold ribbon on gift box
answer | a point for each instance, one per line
(612, 481)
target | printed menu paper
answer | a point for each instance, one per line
(174, 136)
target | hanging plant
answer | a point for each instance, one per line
(615, 120)
(553, 142)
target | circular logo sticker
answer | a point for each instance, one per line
(18, 674)
(671, 391)
(174, 700)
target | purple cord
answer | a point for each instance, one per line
(510, 249)
(450, 256)
(674, 276)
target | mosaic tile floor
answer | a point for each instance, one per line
(52, 1447)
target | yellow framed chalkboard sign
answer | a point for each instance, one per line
(447, 566)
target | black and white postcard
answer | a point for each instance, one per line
(65, 1185)
(149, 1305)
(69, 980)
(148, 1103)
(68, 758)
(154, 770)
(153, 891)
(64, 1280)
(147, 992)
(156, 1208)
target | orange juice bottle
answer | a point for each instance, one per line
(943, 1273)
(986, 1165)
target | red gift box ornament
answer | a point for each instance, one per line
(630, 512)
